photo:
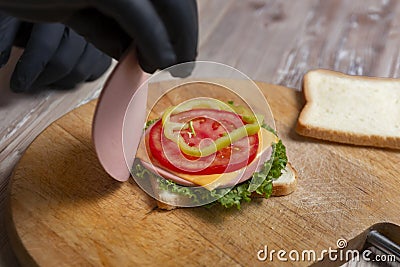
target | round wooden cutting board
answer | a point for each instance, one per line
(66, 211)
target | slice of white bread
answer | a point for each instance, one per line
(349, 109)
(284, 185)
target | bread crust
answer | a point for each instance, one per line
(165, 206)
(305, 129)
(279, 190)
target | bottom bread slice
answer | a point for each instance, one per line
(284, 185)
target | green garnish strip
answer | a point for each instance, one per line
(169, 127)
(220, 143)
(192, 128)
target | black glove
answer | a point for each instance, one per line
(164, 31)
(54, 55)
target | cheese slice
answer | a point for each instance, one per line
(212, 181)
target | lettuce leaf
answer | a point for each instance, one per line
(149, 123)
(260, 184)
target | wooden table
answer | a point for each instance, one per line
(271, 41)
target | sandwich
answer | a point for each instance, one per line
(209, 152)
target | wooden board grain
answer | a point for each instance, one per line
(65, 210)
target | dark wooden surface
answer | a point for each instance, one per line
(272, 41)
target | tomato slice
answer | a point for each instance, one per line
(206, 124)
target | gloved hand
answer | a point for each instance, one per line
(53, 55)
(164, 31)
